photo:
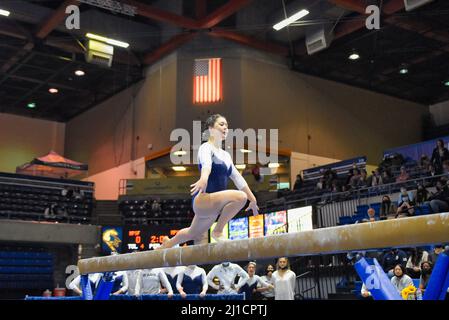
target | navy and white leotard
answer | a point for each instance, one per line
(221, 166)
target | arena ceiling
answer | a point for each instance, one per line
(38, 53)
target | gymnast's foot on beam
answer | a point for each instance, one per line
(165, 244)
(218, 237)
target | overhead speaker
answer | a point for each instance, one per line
(318, 39)
(413, 4)
(99, 53)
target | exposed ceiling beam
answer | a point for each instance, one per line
(250, 42)
(200, 8)
(22, 52)
(39, 82)
(222, 13)
(420, 27)
(351, 5)
(160, 15)
(392, 6)
(54, 20)
(168, 47)
(358, 22)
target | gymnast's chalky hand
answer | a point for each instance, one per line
(198, 187)
(253, 206)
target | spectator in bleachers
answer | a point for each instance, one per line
(424, 162)
(320, 184)
(335, 187)
(426, 271)
(414, 262)
(363, 179)
(422, 194)
(284, 281)
(267, 292)
(51, 211)
(439, 201)
(439, 155)
(393, 258)
(375, 179)
(298, 183)
(405, 203)
(155, 207)
(386, 208)
(329, 176)
(446, 167)
(386, 177)
(437, 250)
(354, 178)
(400, 280)
(372, 215)
(403, 175)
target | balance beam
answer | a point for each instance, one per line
(404, 232)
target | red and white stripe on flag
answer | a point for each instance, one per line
(207, 80)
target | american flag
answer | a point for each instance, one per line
(207, 80)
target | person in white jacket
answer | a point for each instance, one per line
(284, 281)
(226, 272)
(149, 282)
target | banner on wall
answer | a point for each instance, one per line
(238, 228)
(275, 223)
(256, 226)
(341, 168)
(300, 219)
(415, 151)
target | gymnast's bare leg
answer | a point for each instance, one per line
(207, 206)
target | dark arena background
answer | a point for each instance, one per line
(102, 109)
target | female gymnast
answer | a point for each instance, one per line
(210, 197)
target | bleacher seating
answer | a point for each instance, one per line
(27, 198)
(25, 268)
(138, 210)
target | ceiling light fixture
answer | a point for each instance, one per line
(80, 73)
(300, 14)
(5, 13)
(107, 40)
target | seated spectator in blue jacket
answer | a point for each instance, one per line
(405, 203)
(439, 201)
(400, 280)
(426, 271)
(393, 258)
